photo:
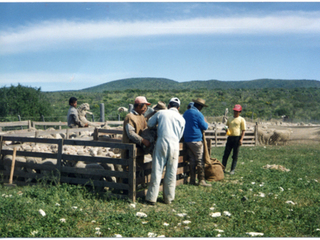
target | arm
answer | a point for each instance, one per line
(134, 137)
(242, 135)
(202, 122)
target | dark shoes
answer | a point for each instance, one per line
(150, 203)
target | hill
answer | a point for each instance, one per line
(168, 84)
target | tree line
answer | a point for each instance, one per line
(299, 104)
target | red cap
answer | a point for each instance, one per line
(141, 100)
(237, 108)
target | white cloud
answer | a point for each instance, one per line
(56, 34)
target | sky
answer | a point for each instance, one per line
(59, 46)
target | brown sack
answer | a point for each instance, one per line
(213, 168)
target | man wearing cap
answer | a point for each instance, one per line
(166, 152)
(237, 127)
(195, 124)
(73, 117)
(133, 125)
(160, 106)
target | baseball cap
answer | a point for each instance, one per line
(141, 99)
(176, 100)
(237, 107)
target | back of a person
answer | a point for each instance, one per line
(71, 111)
(170, 125)
(192, 130)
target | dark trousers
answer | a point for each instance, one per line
(232, 144)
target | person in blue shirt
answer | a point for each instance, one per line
(195, 124)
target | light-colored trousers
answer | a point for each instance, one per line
(165, 154)
(195, 153)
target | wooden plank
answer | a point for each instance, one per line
(14, 124)
(21, 134)
(119, 161)
(30, 154)
(114, 140)
(50, 123)
(110, 131)
(26, 139)
(98, 144)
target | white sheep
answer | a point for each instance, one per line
(281, 135)
(83, 109)
(122, 109)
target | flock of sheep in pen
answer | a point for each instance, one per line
(265, 136)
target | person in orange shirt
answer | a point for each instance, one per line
(237, 128)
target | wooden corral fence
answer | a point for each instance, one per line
(219, 137)
(15, 124)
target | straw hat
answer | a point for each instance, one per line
(160, 106)
(200, 101)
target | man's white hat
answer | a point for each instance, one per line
(176, 100)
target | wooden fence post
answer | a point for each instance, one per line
(132, 172)
(60, 146)
(256, 134)
(215, 134)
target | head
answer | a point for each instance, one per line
(199, 103)
(237, 110)
(174, 102)
(73, 102)
(190, 105)
(141, 105)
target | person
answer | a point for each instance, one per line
(160, 106)
(193, 137)
(133, 125)
(166, 152)
(237, 128)
(73, 117)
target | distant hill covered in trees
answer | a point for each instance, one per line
(168, 84)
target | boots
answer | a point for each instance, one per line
(202, 181)
(193, 175)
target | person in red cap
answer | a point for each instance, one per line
(133, 125)
(237, 128)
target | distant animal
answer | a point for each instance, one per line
(122, 109)
(281, 136)
(83, 109)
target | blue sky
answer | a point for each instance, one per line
(70, 46)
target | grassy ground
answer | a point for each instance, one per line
(271, 202)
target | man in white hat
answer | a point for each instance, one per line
(166, 152)
(195, 124)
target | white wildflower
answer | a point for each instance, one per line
(216, 214)
(212, 208)
(181, 214)
(179, 224)
(173, 210)
(219, 235)
(144, 222)
(19, 193)
(251, 160)
(318, 229)
(93, 221)
(166, 224)
(141, 214)
(74, 207)
(291, 210)
(62, 220)
(97, 229)
(242, 163)
(186, 222)
(315, 180)
(192, 202)
(162, 236)
(186, 227)
(117, 235)
(151, 234)
(261, 185)
(254, 234)
(249, 211)
(57, 204)
(299, 179)
(281, 188)
(98, 233)
(132, 205)
(250, 189)
(118, 224)
(34, 232)
(226, 213)
(260, 194)
(290, 202)
(253, 182)
(42, 212)
(219, 230)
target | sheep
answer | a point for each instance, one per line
(122, 109)
(281, 135)
(83, 109)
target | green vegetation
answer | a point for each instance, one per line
(278, 204)
(260, 99)
(24, 101)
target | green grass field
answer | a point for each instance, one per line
(270, 202)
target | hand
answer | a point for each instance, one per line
(240, 142)
(146, 142)
(86, 125)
